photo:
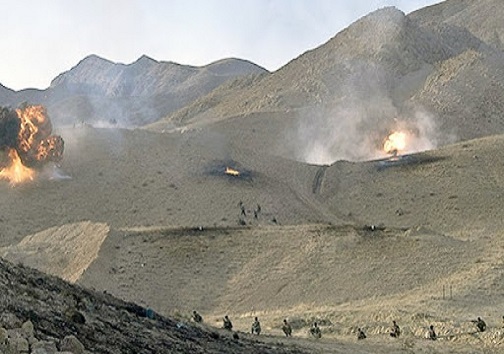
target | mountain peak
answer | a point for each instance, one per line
(144, 62)
(94, 60)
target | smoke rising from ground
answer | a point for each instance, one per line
(357, 132)
(356, 124)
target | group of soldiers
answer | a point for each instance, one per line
(315, 331)
(243, 211)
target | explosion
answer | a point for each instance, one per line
(395, 143)
(25, 135)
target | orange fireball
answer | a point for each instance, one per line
(395, 143)
(30, 146)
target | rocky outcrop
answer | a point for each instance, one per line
(43, 314)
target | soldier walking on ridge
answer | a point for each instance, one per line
(227, 323)
(286, 328)
(432, 333)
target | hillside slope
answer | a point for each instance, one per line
(104, 324)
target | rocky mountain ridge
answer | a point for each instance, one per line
(98, 91)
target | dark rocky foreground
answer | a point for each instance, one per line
(103, 324)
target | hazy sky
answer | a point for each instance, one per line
(43, 38)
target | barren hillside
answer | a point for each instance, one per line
(272, 195)
(435, 74)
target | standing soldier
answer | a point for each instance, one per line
(432, 333)
(256, 327)
(286, 328)
(227, 323)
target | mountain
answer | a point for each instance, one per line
(385, 71)
(98, 91)
(271, 196)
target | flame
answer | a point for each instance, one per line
(34, 131)
(232, 172)
(16, 172)
(395, 143)
(34, 145)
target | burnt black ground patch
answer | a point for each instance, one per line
(406, 160)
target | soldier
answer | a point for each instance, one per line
(243, 212)
(432, 333)
(315, 330)
(227, 324)
(256, 327)
(395, 331)
(197, 317)
(360, 334)
(480, 324)
(286, 328)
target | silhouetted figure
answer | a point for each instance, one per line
(432, 333)
(243, 212)
(480, 324)
(256, 327)
(258, 208)
(315, 330)
(197, 317)
(227, 324)
(255, 214)
(395, 331)
(360, 334)
(286, 328)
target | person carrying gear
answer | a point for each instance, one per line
(286, 328)
(395, 331)
(227, 324)
(197, 317)
(315, 331)
(256, 327)
(361, 334)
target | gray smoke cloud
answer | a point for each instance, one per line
(356, 124)
(352, 132)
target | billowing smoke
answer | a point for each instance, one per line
(27, 142)
(356, 124)
(354, 133)
(9, 128)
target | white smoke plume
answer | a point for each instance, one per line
(354, 133)
(356, 124)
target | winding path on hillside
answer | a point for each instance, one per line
(319, 178)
